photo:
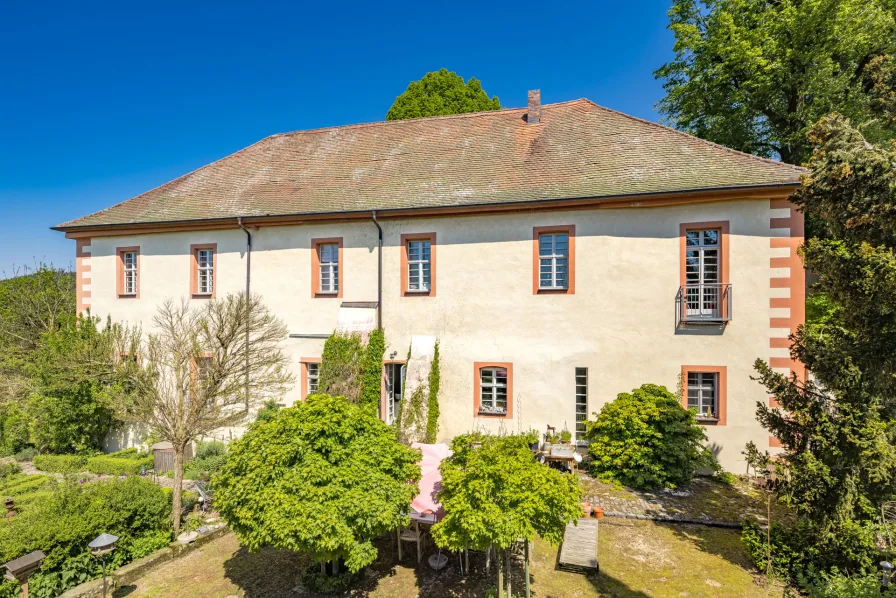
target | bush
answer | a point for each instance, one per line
(26, 454)
(645, 439)
(62, 522)
(837, 585)
(14, 429)
(21, 484)
(203, 469)
(60, 463)
(210, 448)
(128, 453)
(9, 469)
(105, 465)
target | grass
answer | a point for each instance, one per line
(638, 559)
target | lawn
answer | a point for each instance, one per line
(638, 558)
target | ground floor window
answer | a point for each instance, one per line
(702, 394)
(395, 374)
(493, 390)
(313, 377)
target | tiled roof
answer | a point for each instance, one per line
(579, 150)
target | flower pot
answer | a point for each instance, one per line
(598, 512)
(586, 506)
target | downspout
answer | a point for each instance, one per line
(379, 276)
(239, 221)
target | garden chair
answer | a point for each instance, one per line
(205, 498)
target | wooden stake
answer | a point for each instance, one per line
(507, 572)
(500, 576)
(526, 548)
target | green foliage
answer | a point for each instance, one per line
(797, 553)
(26, 454)
(60, 463)
(33, 302)
(497, 493)
(324, 477)
(203, 469)
(646, 439)
(9, 469)
(372, 374)
(819, 309)
(62, 523)
(267, 412)
(341, 366)
(441, 93)
(106, 465)
(210, 448)
(14, 428)
(432, 409)
(838, 585)
(755, 76)
(412, 415)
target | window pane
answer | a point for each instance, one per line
(545, 244)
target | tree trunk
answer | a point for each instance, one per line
(507, 571)
(176, 494)
(527, 568)
(500, 577)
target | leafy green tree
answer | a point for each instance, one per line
(497, 493)
(756, 76)
(839, 428)
(441, 93)
(324, 477)
(646, 439)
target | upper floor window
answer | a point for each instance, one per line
(128, 272)
(326, 267)
(203, 274)
(705, 294)
(418, 264)
(329, 268)
(554, 259)
(703, 393)
(493, 391)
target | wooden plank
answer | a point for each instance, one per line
(579, 548)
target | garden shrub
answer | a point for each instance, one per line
(26, 454)
(64, 521)
(105, 465)
(351, 369)
(837, 585)
(14, 434)
(203, 469)
(9, 469)
(645, 439)
(128, 453)
(60, 463)
(267, 412)
(432, 412)
(210, 448)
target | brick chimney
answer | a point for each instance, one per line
(533, 117)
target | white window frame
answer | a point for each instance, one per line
(705, 390)
(488, 391)
(702, 293)
(551, 259)
(313, 371)
(581, 404)
(330, 267)
(129, 272)
(422, 266)
(206, 268)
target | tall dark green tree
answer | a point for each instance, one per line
(441, 93)
(756, 75)
(839, 429)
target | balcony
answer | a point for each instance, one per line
(704, 303)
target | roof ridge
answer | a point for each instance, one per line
(706, 141)
(377, 123)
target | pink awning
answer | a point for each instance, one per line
(430, 480)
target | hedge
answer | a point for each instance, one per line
(106, 465)
(60, 463)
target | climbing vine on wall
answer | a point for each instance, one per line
(351, 369)
(432, 413)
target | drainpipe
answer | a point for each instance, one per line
(379, 275)
(239, 222)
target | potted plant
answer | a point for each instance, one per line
(549, 440)
(532, 439)
(565, 436)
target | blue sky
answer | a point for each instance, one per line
(99, 102)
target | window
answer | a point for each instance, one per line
(395, 374)
(128, 272)
(705, 391)
(702, 394)
(329, 268)
(553, 259)
(310, 382)
(581, 402)
(493, 390)
(326, 267)
(702, 272)
(418, 264)
(313, 377)
(203, 272)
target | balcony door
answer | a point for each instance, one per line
(702, 273)
(395, 373)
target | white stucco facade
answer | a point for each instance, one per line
(619, 323)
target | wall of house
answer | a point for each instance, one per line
(619, 323)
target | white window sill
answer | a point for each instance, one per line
(418, 291)
(502, 412)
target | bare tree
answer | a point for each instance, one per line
(204, 369)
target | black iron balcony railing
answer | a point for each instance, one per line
(704, 303)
